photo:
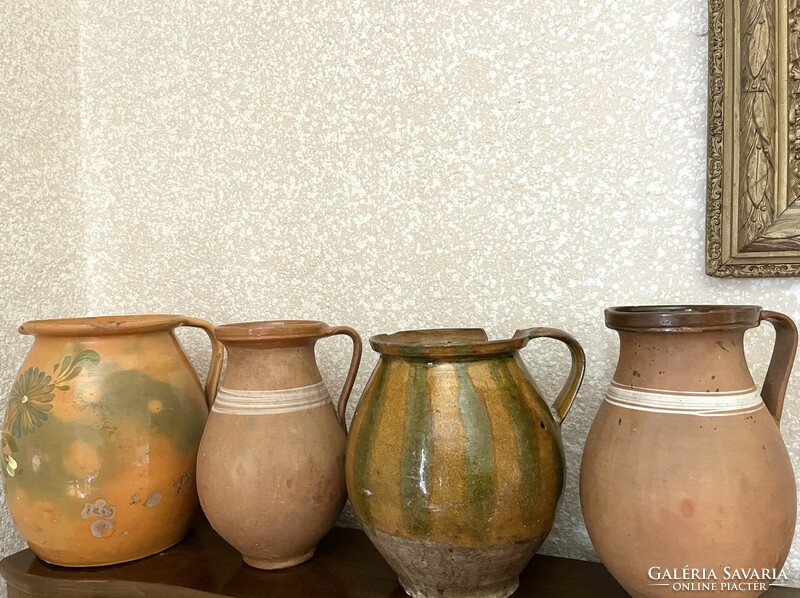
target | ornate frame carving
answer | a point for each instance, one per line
(753, 212)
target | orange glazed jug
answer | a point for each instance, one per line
(100, 438)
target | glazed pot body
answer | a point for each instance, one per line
(271, 463)
(684, 465)
(100, 439)
(455, 464)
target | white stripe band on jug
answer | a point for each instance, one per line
(686, 403)
(269, 402)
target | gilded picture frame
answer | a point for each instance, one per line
(753, 212)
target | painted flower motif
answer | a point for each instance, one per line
(29, 402)
(33, 392)
(9, 447)
(10, 465)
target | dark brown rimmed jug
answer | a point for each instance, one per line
(684, 465)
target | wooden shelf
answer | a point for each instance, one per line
(346, 565)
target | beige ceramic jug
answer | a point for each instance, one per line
(686, 484)
(270, 471)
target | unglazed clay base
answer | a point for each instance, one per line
(268, 564)
(428, 569)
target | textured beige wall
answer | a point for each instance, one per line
(42, 215)
(383, 165)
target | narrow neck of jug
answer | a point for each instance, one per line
(272, 368)
(697, 361)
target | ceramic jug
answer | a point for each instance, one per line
(454, 463)
(684, 467)
(100, 437)
(270, 469)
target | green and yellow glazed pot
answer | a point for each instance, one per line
(100, 438)
(454, 462)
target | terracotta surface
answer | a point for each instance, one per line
(454, 462)
(100, 438)
(271, 465)
(684, 465)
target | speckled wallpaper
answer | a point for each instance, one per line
(502, 163)
(42, 211)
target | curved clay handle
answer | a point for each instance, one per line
(563, 403)
(341, 406)
(780, 365)
(217, 356)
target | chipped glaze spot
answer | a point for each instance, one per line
(99, 508)
(182, 484)
(102, 528)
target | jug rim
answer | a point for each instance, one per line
(101, 325)
(270, 330)
(686, 318)
(443, 342)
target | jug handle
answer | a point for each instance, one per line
(780, 365)
(563, 402)
(341, 406)
(217, 356)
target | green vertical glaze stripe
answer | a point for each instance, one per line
(479, 470)
(415, 486)
(525, 433)
(364, 442)
(558, 474)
